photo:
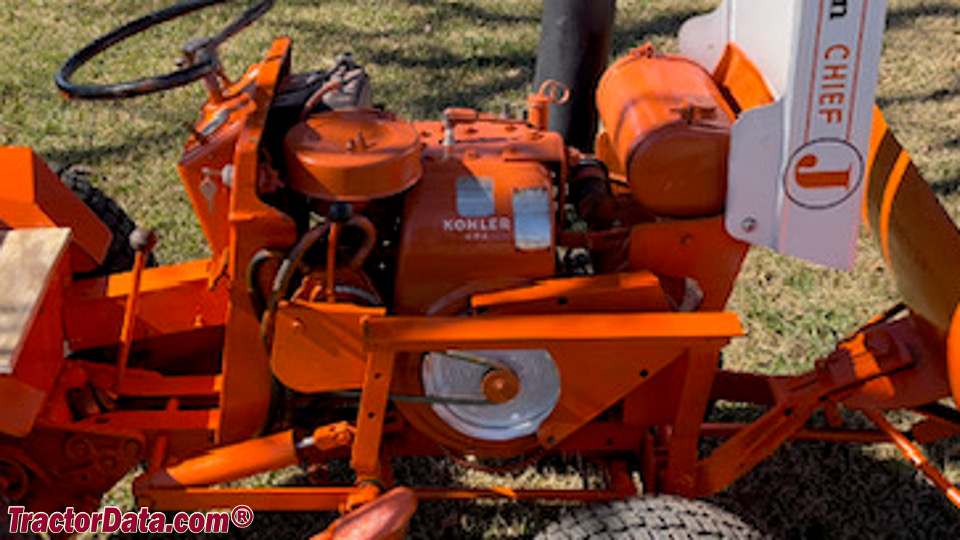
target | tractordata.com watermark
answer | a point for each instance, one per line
(111, 519)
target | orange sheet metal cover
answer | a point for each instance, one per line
(352, 155)
(670, 129)
(918, 238)
(33, 196)
(446, 253)
(318, 347)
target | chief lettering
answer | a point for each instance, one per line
(838, 9)
(834, 79)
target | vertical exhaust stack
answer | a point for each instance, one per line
(574, 46)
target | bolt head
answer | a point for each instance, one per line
(298, 326)
(880, 343)
(500, 386)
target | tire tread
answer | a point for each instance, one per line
(651, 517)
(120, 255)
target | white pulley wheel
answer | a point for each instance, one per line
(450, 376)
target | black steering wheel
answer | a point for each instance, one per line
(201, 55)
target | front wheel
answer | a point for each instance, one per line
(119, 257)
(651, 517)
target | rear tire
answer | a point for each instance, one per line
(119, 257)
(651, 517)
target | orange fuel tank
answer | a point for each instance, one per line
(668, 126)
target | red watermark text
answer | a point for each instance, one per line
(111, 519)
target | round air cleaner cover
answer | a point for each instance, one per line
(352, 155)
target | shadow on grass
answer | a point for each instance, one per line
(446, 11)
(937, 96)
(442, 75)
(946, 188)
(437, 66)
(130, 147)
(626, 37)
(474, 12)
(814, 490)
(477, 519)
(901, 17)
(818, 490)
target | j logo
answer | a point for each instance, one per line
(823, 173)
(808, 177)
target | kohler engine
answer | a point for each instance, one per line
(418, 217)
(431, 212)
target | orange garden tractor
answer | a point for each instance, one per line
(472, 287)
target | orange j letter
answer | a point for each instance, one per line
(820, 179)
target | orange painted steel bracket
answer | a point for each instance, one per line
(539, 331)
(699, 249)
(305, 499)
(683, 443)
(33, 197)
(925, 380)
(154, 422)
(664, 337)
(599, 437)
(240, 460)
(144, 383)
(365, 456)
(318, 347)
(915, 456)
(857, 372)
(606, 293)
(254, 225)
(183, 285)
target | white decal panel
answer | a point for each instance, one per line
(797, 167)
(476, 218)
(533, 212)
(830, 113)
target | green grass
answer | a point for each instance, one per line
(425, 55)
